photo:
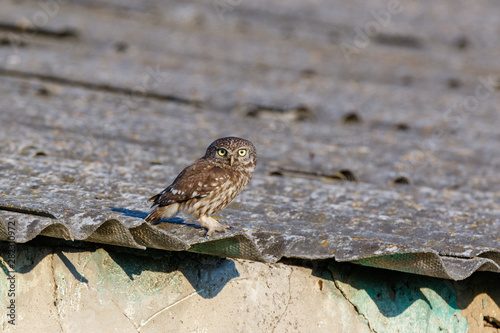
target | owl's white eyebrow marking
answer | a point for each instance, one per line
(195, 193)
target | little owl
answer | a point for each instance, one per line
(209, 184)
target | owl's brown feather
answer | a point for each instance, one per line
(208, 184)
(154, 197)
(195, 181)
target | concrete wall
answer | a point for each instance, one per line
(89, 288)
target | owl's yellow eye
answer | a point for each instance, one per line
(222, 152)
(242, 152)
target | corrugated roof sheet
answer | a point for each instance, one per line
(84, 146)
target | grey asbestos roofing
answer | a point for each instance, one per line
(388, 157)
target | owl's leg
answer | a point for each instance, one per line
(212, 225)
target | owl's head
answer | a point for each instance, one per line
(233, 152)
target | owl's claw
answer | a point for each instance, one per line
(218, 228)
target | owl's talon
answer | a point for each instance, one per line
(218, 228)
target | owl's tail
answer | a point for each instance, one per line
(160, 212)
(155, 216)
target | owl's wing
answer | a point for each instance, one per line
(195, 181)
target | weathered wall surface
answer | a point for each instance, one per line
(93, 289)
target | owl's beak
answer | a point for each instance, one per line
(232, 160)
